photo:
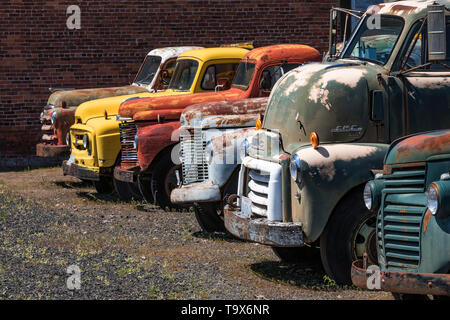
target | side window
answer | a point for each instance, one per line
(419, 54)
(219, 74)
(272, 74)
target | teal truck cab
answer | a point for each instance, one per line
(412, 198)
(328, 124)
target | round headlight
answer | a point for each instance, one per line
(294, 166)
(85, 141)
(135, 142)
(432, 199)
(209, 152)
(53, 117)
(368, 196)
(68, 138)
(243, 149)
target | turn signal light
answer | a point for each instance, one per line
(258, 123)
(314, 137)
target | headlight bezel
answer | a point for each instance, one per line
(432, 198)
(53, 117)
(68, 139)
(135, 142)
(373, 189)
(86, 141)
(243, 149)
(294, 168)
(209, 152)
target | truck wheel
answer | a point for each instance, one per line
(350, 233)
(164, 181)
(297, 254)
(126, 191)
(210, 217)
(104, 186)
(145, 188)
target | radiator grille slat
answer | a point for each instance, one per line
(398, 229)
(128, 131)
(192, 151)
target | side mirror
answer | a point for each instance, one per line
(377, 106)
(437, 38)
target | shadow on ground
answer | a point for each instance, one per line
(217, 236)
(308, 274)
(73, 185)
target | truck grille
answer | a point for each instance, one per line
(194, 165)
(258, 191)
(399, 225)
(128, 130)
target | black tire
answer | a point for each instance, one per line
(145, 187)
(125, 191)
(297, 254)
(104, 186)
(164, 181)
(349, 233)
(210, 217)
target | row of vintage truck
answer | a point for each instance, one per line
(346, 154)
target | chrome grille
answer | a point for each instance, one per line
(400, 222)
(194, 165)
(258, 191)
(128, 130)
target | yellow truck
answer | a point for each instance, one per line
(95, 137)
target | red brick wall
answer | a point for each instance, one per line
(37, 51)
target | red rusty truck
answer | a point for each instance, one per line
(149, 126)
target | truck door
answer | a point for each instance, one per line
(424, 93)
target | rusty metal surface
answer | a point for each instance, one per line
(153, 139)
(404, 282)
(51, 151)
(202, 192)
(126, 175)
(419, 147)
(79, 172)
(133, 108)
(223, 109)
(278, 234)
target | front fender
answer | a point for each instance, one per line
(327, 174)
(154, 138)
(227, 154)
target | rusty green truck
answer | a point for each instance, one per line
(328, 124)
(411, 197)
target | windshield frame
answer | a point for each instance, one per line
(141, 70)
(175, 72)
(357, 31)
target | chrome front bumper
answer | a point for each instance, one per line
(197, 192)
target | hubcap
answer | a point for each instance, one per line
(364, 241)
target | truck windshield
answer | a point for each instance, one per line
(184, 75)
(244, 74)
(375, 39)
(148, 70)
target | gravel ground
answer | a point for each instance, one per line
(49, 222)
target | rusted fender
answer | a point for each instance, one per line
(403, 282)
(152, 139)
(130, 108)
(329, 172)
(73, 98)
(162, 114)
(419, 147)
(224, 113)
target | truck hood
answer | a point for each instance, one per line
(331, 99)
(149, 108)
(73, 98)
(96, 108)
(419, 147)
(223, 114)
